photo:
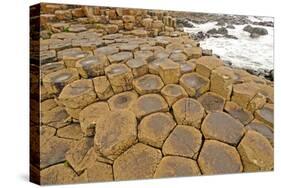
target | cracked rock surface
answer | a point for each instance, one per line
(125, 94)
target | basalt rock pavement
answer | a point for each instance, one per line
(125, 94)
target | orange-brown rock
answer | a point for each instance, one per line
(102, 87)
(154, 129)
(148, 83)
(194, 84)
(140, 161)
(256, 152)
(219, 158)
(188, 111)
(184, 141)
(120, 77)
(212, 102)
(149, 103)
(172, 93)
(174, 166)
(206, 64)
(266, 114)
(236, 111)
(89, 116)
(221, 126)
(122, 101)
(112, 140)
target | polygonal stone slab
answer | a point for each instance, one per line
(140, 161)
(219, 158)
(89, 116)
(148, 83)
(120, 77)
(256, 103)
(206, 64)
(212, 102)
(92, 66)
(78, 94)
(154, 129)
(243, 93)
(53, 151)
(122, 101)
(153, 66)
(174, 166)
(222, 79)
(139, 66)
(47, 56)
(121, 57)
(102, 87)
(187, 66)
(146, 55)
(184, 141)
(112, 140)
(256, 152)
(263, 129)
(172, 93)
(177, 56)
(107, 50)
(78, 151)
(57, 174)
(194, 84)
(71, 131)
(67, 52)
(148, 104)
(52, 67)
(193, 52)
(188, 111)
(222, 127)
(238, 112)
(169, 72)
(98, 172)
(55, 117)
(70, 58)
(266, 114)
(131, 47)
(55, 81)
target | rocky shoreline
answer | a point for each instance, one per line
(126, 94)
(226, 22)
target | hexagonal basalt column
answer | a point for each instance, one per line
(174, 166)
(102, 87)
(148, 104)
(188, 111)
(206, 64)
(169, 72)
(184, 141)
(107, 50)
(263, 129)
(172, 93)
(148, 83)
(138, 66)
(153, 66)
(120, 77)
(222, 79)
(77, 95)
(71, 57)
(52, 67)
(238, 112)
(122, 101)
(194, 84)
(92, 66)
(256, 152)
(212, 102)
(112, 140)
(244, 93)
(140, 161)
(222, 127)
(154, 129)
(89, 116)
(121, 57)
(266, 114)
(219, 158)
(55, 81)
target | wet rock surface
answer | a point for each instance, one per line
(125, 94)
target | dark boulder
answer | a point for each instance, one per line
(255, 31)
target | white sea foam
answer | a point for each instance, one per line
(246, 52)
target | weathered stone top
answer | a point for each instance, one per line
(125, 94)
